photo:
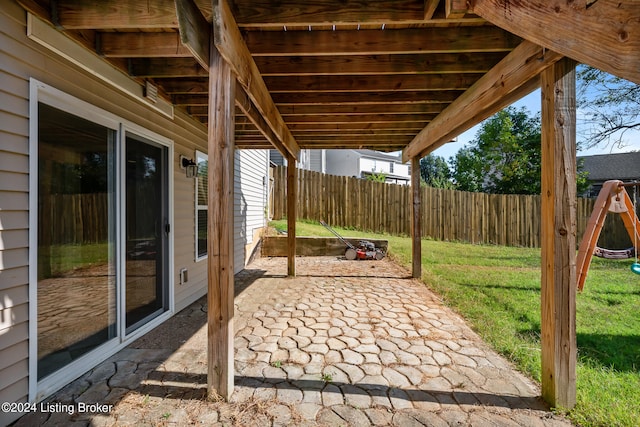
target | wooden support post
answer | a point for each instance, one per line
(558, 296)
(292, 196)
(416, 220)
(220, 228)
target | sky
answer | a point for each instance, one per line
(532, 103)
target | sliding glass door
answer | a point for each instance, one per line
(77, 286)
(146, 231)
(102, 259)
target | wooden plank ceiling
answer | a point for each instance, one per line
(343, 74)
(352, 74)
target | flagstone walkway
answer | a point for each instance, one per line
(346, 343)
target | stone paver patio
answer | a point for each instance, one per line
(344, 343)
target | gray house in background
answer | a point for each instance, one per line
(361, 163)
(313, 160)
(605, 167)
(354, 163)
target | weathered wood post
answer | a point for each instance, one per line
(292, 196)
(416, 220)
(220, 332)
(558, 297)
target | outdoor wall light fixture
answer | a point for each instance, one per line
(190, 167)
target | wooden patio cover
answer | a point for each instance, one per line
(386, 75)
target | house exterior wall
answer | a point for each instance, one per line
(21, 59)
(276, 158)
(343, 163)
(317, 161)
(250, 201)
(360, 163)
(374, 165)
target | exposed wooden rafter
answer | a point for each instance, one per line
(116, 14)
(380, 42)
(367, 65)
(141, 45)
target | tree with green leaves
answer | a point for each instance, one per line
(434, 171)
(376, 176)
(609, 107)
(467, 170)
(504, 157)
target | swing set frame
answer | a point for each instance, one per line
(612, 198)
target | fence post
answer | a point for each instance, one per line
(416, 220)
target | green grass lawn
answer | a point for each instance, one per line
(497, 290)
(62, 259)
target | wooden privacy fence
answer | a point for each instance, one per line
(75, 219)
(503, 219)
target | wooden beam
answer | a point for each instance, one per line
(34, 7)
(339, 145)
(389, 82)
(362, 118)
(195, 31)
(416, 220)
(166, 68)
(197, 85)
(430, 7)
(338, 98)
(512, 78)
(292, 200)
(309, 110)
(558, 237)
(327, 11)
(229, 43)
(356, 133)
(141, 45)
(220, 229)
(376, 42)
(387, 97)
(432, 63)
(116, 14)
(455, 9)
(360, 139)
(255, 146)
(604, 34)
(295, 127)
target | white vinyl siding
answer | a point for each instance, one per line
(14, 216)
(317, 160)
(250, 198)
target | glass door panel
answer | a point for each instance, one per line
(76, 238)
(146, 231)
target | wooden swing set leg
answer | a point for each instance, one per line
(592, 232)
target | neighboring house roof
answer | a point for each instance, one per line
(603, 167)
